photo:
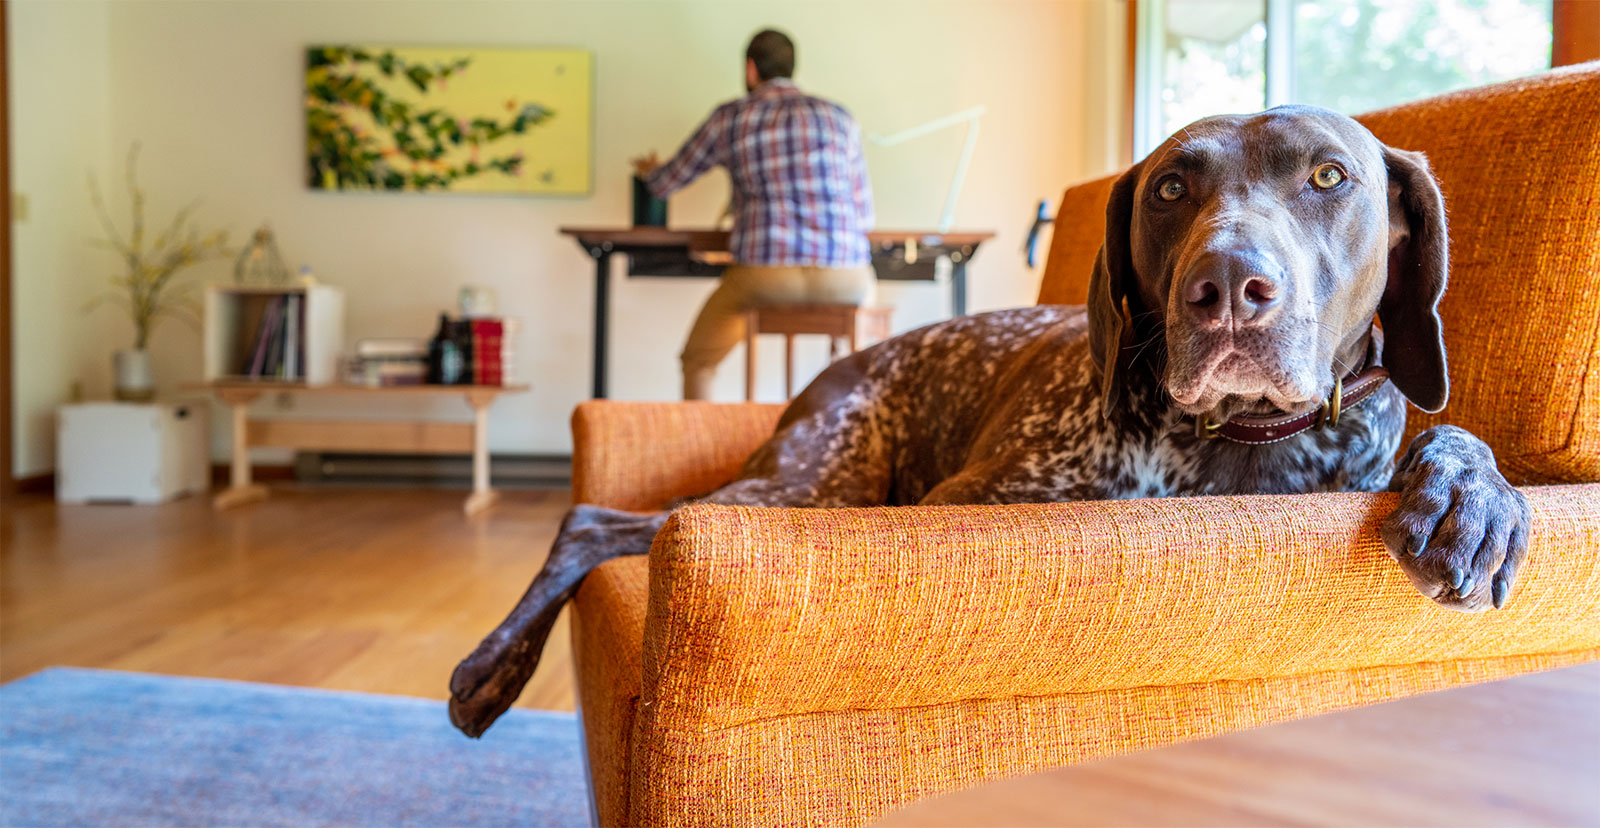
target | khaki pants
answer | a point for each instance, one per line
(720, 325)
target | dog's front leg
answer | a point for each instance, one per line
(1461, 530)
(485, 683)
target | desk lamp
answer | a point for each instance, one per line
(970, 118)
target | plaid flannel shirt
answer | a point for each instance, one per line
(800, 189)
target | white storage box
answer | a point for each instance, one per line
(131, 452)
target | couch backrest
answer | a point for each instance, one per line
(1519, 164)
(1076, 235)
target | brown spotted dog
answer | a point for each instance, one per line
(1231, 307)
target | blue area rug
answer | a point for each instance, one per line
(92, 747)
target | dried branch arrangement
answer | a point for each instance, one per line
(147, 288)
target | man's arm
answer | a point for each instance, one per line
(862, 184)
(700, 153)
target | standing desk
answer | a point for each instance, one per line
(897, 255)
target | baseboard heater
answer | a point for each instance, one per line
(506, 470)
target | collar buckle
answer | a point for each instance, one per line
(1331, 409)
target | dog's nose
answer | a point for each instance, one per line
(1241, 287)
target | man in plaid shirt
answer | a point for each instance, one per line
(802, 203)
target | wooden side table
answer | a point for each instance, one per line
(387, 436)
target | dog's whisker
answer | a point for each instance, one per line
(1343, 366)
(1158, 336)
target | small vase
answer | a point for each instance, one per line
(132, 378)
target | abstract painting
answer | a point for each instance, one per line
(448, 120)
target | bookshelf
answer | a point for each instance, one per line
(273, 336)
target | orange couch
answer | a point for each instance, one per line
(822, 667)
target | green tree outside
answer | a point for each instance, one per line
(1358, 55)
(1353, 56)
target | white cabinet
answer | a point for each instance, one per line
(131, 452)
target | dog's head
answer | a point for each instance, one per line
(1259, 248)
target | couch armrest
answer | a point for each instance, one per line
(757, 613)
(640, 455)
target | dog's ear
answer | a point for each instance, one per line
(1111, 282)
(1419, 264)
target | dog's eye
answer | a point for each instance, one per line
(1326, 177)
(1171, 189)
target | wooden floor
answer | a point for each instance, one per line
(374, 590)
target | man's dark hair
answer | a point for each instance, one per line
(773, 54)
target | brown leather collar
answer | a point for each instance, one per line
(1261, 429)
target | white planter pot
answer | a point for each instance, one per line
(132, 378)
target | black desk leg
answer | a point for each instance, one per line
(958, 287)
(602, 307)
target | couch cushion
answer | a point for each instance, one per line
(1519, 164)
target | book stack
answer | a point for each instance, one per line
(277, 351)
(493, 346)
(389, 362)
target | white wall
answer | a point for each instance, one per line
(212, 90)
(58, 67)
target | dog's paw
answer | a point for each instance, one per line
(486, 683)
(1461, 530)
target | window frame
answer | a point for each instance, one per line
(1575, 37)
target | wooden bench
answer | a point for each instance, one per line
(386, 436)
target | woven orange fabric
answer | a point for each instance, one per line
(848, 768)
(1076, 236)
(807, 666)
(607, 631)
(639, 456)
(763, 612)
(1519, 164)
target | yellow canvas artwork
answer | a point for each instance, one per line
(449, 120)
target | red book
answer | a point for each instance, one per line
(488, 335)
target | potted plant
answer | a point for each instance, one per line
(147, 288)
